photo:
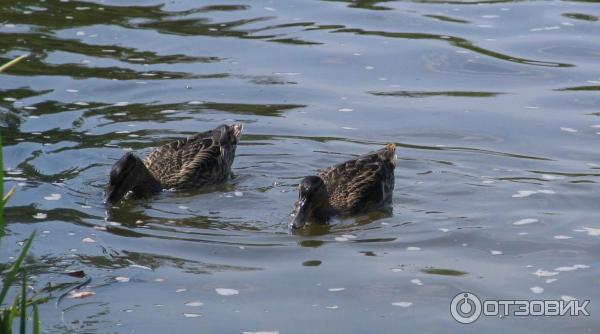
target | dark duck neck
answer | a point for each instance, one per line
(130, 174)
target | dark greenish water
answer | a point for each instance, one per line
(494, 106)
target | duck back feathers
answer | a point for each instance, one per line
(361, 184)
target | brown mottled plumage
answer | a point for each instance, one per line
(352, 187)
(193, 162)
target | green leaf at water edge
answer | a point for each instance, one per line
(36, 320)
(23, 306)
(12, 274)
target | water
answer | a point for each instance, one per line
(494, 107)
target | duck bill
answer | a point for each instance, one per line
(300, 217)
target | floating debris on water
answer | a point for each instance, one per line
(496, 252)
(526, 221)
(572, 268)
(40, 215)
(53, 197)
(191, 315)
(413, 248)
(536, 289)
(416, 281)
(595, 232)
(81, 294)
(140, 267)
(336, 289)
(402, 304)
(544, 273)
(562, 237)
(332, 307)
(226, 292)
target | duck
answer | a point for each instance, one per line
(353, 187)
(186, 163)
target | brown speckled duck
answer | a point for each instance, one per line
(352, 187)
(193, 162)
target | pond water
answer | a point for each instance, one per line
(494, 107)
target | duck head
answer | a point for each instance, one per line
(125, 174)
(228, 137)
(312, 204)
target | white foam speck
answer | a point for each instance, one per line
(369, 68)
(90, 240)
(348, 236)
(526, 221)
(226, 292)
(496, 252)
(72, 90)
(572, 268)
(550, 280)
(183, 207)
(412, 248)
(194, 304)
(52, 197)
(340, 239)
(40, 215)
(332, 307)
(396, 270)
(402, 304)
(544, 273)
(444, 229)
(191, 315)
(416, 281)
(562, 237)
(238, 194)
(345, 109)
(168, 111)
(122, 279)
(336, 289)
(348, 128)
(546, 191)
(195, 102)
(568, 129)
(536, 289)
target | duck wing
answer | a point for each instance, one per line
(185, 162)
(361, 184)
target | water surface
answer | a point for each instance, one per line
(494, 107)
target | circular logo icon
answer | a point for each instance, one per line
(465, 308)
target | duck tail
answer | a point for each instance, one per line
(389, 153)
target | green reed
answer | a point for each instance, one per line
(20, 305)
